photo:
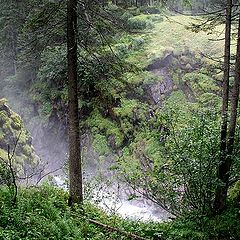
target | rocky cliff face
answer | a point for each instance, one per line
(15, 139)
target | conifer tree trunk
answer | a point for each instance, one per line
(234, 100)
(221, 191)
(75, 171)
(227, 164)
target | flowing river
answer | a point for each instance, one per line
(115, 199)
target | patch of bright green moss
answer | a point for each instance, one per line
(99, 124)
(100, 144)
(234, 193)
(3, 116)
(210, 100)
(200, 83)
(27, 150)
(3, 154)
(3, 101)
(173, 33)
(1, 134)
(16, 121)
(177, 98)
(14, 135)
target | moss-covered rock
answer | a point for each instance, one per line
(15, 137)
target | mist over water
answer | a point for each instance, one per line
(106, 190)
(49, 140)
(51, 146)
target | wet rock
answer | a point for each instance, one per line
(112, 141)
(171, 69)
(3, 145)
(160, 62)
(159, 90)
(13, 135)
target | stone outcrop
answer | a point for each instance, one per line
(16, 140)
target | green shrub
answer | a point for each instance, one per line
(42, 213)
(194, 227)
(140, 22)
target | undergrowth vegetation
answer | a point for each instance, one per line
(42, 213)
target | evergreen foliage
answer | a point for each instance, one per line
(148, 97)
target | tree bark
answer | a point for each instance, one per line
(233, 121)
(75, 166)
(235, 99)
(220, 196)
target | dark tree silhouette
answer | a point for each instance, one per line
(75, 168)
(224, 167)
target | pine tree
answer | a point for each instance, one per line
(75, 171)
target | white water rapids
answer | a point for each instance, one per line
(115, 199)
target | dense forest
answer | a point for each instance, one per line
(119, 119)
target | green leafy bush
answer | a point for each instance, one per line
(42, 213)
(195, 227)
(140, 22)
(172, 159)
